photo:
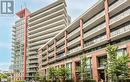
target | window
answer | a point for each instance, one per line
(102, 61)
(69, 66)
(121, 52)
(89, 68)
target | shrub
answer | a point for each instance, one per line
(19, 81)
(69, 80)
(124, 80)
(91, 80)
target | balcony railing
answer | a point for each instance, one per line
(74, 32)
(43, 18)
(95, 41)
(74, 50)
(98, 16)
(60, 48)
(41, 14)
(94, 30)
(120, 31)
(74, 41)
(120, 16)
(61, 40)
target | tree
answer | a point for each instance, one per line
(39, 78)
(116, 66)
(62, 73)
(52, 73)
(58, 73)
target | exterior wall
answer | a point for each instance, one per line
(18, 46)
(105, 22)
(44, 24)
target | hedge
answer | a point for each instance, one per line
(124, 80)
(73, 81)
(91, 80)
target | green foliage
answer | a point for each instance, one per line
(53, 73)
(3, 75)
(39, 78)
(124, 80)
(62, 71)
(116, 66)
(19, 81)
(90, 80)
(83, 70)
(58, 74)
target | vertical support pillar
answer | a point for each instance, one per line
(65, 34)
(73, 71)
(40, 58)
(47, 53)
(81, 33)
(54, 48)
(106, 6)
(94, 66)
(128, 50)
(25, 46)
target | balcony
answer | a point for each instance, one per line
(48, 16)
(32, 71)
(94, 21)
(60, 41)
(74, 42)
(44, 53)
(52, 60)
(74, 51)
(73, 33)
(33, 61)
(60, 56)
(49, 11)
(36, 37)
(122, 32)
(47, 26)
(121, 18)
(49, 30)
(118, 6)
(44, 59)
(40, 42)
(95, 31)
(44, 63)
(47, 22)
(34, 48)
(96, 42)
(50, 55)
(51, 47)
(33, 57)
(32, 52)
(33, 66)
(60, 49)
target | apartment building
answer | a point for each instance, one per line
(19, 46)
(44, 24)
(107, 21)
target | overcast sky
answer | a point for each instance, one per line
(74, 7)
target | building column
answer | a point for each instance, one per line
(81, 33)
(94, 68)
(40, 58)
(25, 46)
(128, 51)
(66, 50)
(73, 71)
(55, 48)
(107, 19)
(47, 53)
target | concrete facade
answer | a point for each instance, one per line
(19, 43)
(43, 25)
(107, 21)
